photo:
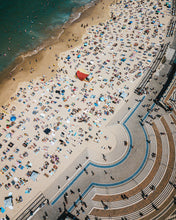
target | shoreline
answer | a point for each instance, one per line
(20, 69)
(54, 35)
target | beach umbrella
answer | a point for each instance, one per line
(47, 131)
(34, 176)
(68, 57)
(79, 55)
(123, 59)
(95, 104)
(13, 118)
(82, 74)
(130, 22)
(101, 99)
(123, 95)
(8, 202)
(8, 135)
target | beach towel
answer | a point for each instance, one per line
(2, 209)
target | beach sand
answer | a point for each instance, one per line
(117, 47)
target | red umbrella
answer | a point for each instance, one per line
(82, 74)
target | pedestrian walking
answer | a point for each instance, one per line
(82, 209)
(85, 171)
(72, 192)
(47, 200)
(46, 214)
(112, 177)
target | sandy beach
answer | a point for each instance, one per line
(49, 116)
(71, 35)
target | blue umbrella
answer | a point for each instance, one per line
(8, 201)
(68, 57)
(123, 59)
(79, 55)
(34, 176)
(101, 99)
(13, 118)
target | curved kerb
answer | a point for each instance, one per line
(109, 166)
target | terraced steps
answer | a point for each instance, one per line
(155, 195)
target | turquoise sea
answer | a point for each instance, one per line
(25, 24)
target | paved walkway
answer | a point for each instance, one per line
(145, 182)
(151, 197)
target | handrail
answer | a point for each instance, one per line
(32, 207)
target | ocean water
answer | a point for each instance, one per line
(25, 24)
